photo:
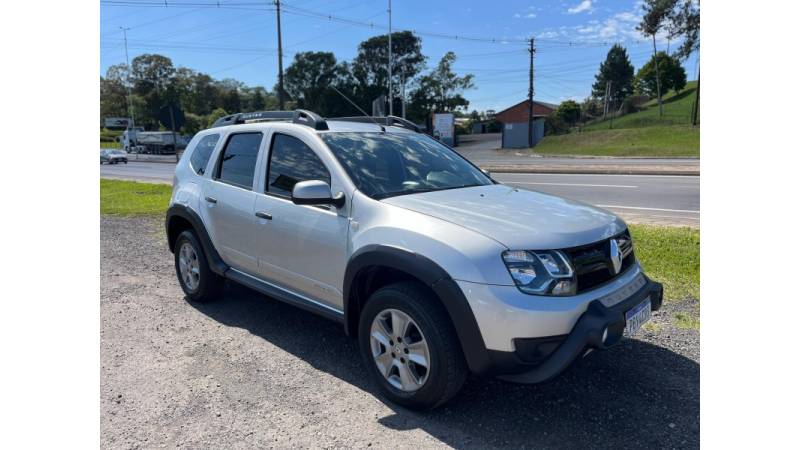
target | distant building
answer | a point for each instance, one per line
(515, 123)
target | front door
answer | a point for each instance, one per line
(229, 198)
(302, 248)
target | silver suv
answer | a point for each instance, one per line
(436, 269)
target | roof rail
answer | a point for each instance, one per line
(387, 120)
(299, 116)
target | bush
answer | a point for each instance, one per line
(553, 124)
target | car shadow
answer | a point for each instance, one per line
(635, 394)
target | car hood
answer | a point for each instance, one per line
(517, 218)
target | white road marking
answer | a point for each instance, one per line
(649, 209)
(574, 184)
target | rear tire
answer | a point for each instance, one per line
(198, 282)
(446, 371)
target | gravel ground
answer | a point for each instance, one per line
(249, 372)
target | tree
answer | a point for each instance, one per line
(617, 69)
(215, 114)
(308, 78)
(685, 23)
(671, 75)
(370, 67)
(656, 12)
(569, 111)
(440, 90)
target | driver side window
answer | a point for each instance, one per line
(292, 161)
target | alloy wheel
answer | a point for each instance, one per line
(400, 350)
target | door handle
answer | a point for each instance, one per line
(211, 200)
(263, 215)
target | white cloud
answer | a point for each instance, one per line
(585, 5)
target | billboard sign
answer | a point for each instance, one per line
(117, 122)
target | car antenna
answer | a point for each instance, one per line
(383, 130)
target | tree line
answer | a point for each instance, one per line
(311, 82)
(662, 73)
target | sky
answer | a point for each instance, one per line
(238, 38)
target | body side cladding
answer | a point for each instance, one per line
(433, 276)
(179, 212)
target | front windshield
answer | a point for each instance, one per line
(388, 164)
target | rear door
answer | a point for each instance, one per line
(228, 200)
(303, 248)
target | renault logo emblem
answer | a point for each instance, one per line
(615, 256)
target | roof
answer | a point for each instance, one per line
(519, 112)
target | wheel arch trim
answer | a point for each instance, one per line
(430, 274)
(177, 212)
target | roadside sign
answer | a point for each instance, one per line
(444, 127)
(117, 122)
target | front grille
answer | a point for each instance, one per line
(592, 263)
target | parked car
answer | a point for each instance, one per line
(113, 157)
(437, 269)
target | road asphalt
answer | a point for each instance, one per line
(661, 200)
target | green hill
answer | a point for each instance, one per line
(677, 111)
(641, 133)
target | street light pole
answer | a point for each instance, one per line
(128, 76)
(390, 57)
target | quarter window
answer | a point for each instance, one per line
(292, 161)
(237, 163)
(202, 153)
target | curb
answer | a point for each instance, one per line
(577, 170)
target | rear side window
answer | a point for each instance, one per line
(202, 152)
(237, 163)
(292, 161)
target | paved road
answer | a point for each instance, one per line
(664, 200)
(484, 150)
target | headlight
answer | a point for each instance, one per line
(541, 272)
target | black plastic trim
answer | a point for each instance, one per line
(586, 334)
(216, 263)
(284, 295)
(432, 275)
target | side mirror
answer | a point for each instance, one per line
(315, 192)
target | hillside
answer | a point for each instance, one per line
(677, 111)
(641, 133)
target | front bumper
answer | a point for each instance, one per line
(599, 327)
(531, 339)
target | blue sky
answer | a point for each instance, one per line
(238, 38)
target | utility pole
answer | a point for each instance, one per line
(696, 109)
(390, 58)
(403, 93)
(280, 56)
(658, 78)
(128, 77)
(605, 99)
(531, 50)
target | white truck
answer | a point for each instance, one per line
(136, 140)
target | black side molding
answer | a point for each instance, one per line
(179, 213)
(432, 275)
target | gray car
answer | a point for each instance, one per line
(435, 268)
(113, 157)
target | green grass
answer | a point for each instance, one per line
(667, 141)
(670, 256)
(110, 145)
(677, 111)
(688, 321)
(128, 198)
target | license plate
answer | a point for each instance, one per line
(636, 317)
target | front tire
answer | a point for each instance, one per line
(410, 346)
(198, 282)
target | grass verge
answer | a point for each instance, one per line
(670, 256)
(128, 198)
(665, 141)
(687, 321)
